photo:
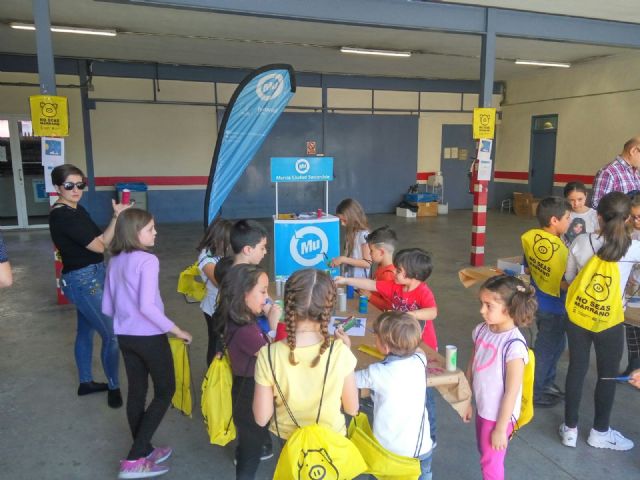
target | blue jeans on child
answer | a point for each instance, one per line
(431, 411)
(425, 466)
(550, 343)
(83, 287)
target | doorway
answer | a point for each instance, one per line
(24, 202)
(458, 150)
(544, 129)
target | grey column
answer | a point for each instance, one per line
(488, 61)
(44, 48)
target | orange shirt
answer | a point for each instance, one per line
(387, 273)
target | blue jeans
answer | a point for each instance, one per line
(431, 411)
(550, 343)
(425, 466)
(83, 287)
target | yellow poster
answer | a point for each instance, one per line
(49, 116)
(484, 123)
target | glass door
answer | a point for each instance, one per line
(24, 202)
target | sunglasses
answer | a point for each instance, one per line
(70, 185)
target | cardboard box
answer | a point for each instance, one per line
(511, 265)
(428, 209)
(405, 212)
(534, 206)
(472, 275)
(522, 204)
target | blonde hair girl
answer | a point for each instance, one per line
(299, 362)
(357, 256)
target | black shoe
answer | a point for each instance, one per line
(87, 388)
(554, 390)
(114, 398)
(546, 401)
(267, 452)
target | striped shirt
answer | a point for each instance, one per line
(618, 176)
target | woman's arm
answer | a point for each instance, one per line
(513, 383)
(262, 404)
(350, 400)
(101, 242)
(6, 277)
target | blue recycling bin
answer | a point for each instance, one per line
(138, 193)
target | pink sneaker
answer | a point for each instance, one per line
(140, 468)
(159, 454)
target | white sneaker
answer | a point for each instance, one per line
(568, 435)
(611, 439)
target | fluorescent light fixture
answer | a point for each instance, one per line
(369, 51)
(59, 29)
(542, 64)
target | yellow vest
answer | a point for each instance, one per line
(546, 257)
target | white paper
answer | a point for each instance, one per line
(52, 156)
(447, 153)
(484, 150)
(454, 152)
(484, 170)
(358, 330)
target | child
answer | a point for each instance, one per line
(496, 367)
(399, 385)
(576, 194)
(213, 247)
(299, 362)
(545, 258)
(132, 298)
(409, 293)
(632, 333)
(248, 242)
(357, 257)
(612, 244)
(243, 295)
(382, 244)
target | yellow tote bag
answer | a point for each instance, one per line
(182, 396)
(526, 399)
(546, 257)
(594, 298)
(381, 463)
(216, 403)
(189, 283)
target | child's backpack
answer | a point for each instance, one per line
(216, 403)
(315, 451)
(182, 369)
(594, 298)
(190, 286)
(526, 401)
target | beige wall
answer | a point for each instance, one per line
(598, 110)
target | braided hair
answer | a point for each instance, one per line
(519, 298)
(309, 294)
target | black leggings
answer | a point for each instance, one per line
(146, 356)
(608, 346)
(211, 345)
(251, 436)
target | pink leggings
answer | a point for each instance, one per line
(491, 461)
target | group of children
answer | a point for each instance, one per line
(240, 315)
(554, 255)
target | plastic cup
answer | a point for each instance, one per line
(350, 291)
(126, 196)
(451, 358)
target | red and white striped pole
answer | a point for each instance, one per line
(479, 218)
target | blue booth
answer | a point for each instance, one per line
(304, 240)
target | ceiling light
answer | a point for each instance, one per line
(59, 29)
(368, 51)
(542, 64)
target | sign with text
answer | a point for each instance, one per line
(49, 115)
(484, 123)
(301, 169)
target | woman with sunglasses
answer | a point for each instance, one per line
(81, 245)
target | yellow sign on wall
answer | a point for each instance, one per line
(484, 123)
(49, 116)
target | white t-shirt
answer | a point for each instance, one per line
(398, 390)
(489, 368)
(208, 303)
(359, 240)
(581, 251)
(588, 221)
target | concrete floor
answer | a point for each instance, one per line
(46, 431)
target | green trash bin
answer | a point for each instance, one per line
(138, 193)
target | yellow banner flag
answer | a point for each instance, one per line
(49, 115)
(484, 123)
